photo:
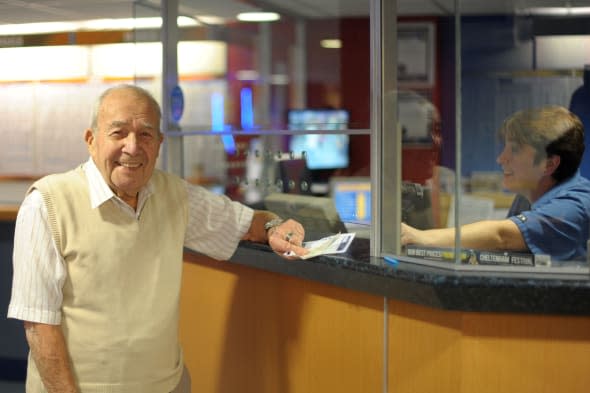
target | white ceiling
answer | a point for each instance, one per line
(28, 11)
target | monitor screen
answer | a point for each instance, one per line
(352, 198)
(321, 151)
(316, 214)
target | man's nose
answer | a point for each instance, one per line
(131, 144)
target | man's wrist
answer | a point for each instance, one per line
(275, 222)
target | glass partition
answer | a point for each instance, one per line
(389, 111)
(461, 73)
(279, 107)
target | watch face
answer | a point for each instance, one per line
(273, 223)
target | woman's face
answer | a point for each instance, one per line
(521, 173)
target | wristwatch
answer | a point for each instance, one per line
(273, 223)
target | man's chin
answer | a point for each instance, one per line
(127, 186)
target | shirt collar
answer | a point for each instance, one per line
(100, 192)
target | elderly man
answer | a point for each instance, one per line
(98, 257)
(540, 160)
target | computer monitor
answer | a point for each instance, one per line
(352, 199)
(322, 151)
(316, 214)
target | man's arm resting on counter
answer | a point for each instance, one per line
(49, 351)
(282, 238)
(484, 235)
(256, 232)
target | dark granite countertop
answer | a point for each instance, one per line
(553, 291)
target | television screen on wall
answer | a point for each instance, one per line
(323, 150)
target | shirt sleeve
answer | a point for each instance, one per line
(556, 228)
(215, 223)
(39, 271)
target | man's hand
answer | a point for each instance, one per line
(287, 238)
(283, 238)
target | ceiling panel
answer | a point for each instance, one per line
(20, 11)
(24, 11)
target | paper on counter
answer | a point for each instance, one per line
(334, 244)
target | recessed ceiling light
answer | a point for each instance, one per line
(331, 43)
(93, 24)
(210, 19)
(258, 16)
(247, 75)
(557, 11)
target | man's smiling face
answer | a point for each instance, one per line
(126, 143)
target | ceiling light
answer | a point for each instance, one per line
(331, 43)
(210, 19)
(93, 24)
(556, 11)
(247, 75)
(279, 79)
(36, 28)
(258, 16)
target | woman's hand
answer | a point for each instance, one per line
(411, 235)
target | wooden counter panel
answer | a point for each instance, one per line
(459, 352)
(8, 212)
(245, 330)
(526, 353)
(424, 348)
(248, 330)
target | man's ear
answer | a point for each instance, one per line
(551, 164)
(89, 139)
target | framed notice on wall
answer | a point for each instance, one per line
(416, 54)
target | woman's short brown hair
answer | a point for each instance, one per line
(551, 131)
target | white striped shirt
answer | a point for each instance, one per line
(215, 226)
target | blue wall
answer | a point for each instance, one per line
(493, 49)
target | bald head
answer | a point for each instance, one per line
(130, 89)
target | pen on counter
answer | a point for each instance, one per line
(390, 260)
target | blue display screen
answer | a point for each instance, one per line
(321, 151)
(352, 199)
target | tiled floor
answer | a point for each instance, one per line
(12, 387)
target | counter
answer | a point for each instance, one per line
(350, 324)
(8, 212)
(526, 290)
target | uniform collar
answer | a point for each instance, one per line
(556, 189)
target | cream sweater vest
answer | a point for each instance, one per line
(120, 305)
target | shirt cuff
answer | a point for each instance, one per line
(33, 315)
